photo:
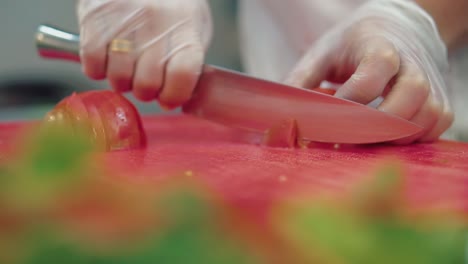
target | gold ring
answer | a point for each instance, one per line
(121, 45)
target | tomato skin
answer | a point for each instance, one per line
(325, 91)
(109, 119)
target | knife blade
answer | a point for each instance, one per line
(238, 100)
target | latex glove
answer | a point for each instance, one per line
(389, 49)
(168, 39)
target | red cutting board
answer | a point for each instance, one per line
(254, 176)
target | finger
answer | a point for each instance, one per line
(427, 117)
(309, 72)
(156, 49)
(100, 22)
(181, 76)
(444, 122)
(120, 67)
(93, 54)
(408, 94)
(312, 68)
(149, 73)
(378, 62)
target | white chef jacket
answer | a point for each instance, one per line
(271, 44)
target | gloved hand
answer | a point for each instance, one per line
(388, 49)
(154, 47)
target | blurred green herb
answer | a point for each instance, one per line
(368, 226)
(190, 234)
(54, 169)
(371, 227)
(53, 161)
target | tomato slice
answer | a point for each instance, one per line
(282, 135)
(286, 133)
(324, 90)
(109, 118)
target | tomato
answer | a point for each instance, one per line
(282, 135)
(108, 118)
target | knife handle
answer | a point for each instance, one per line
(55, 43)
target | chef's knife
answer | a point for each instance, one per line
(238, 100)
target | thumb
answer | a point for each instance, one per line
(311, 69)
(309, 72)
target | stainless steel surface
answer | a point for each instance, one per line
(52, 41)
(241, 101)
(259, 104)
